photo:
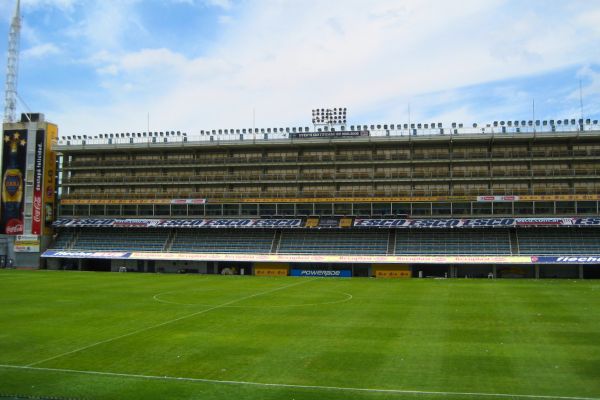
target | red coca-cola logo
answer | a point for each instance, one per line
(37, 209)
(14, 227)
(487, 198)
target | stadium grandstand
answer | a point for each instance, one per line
(506, 199)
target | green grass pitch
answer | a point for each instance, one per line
(154, 336)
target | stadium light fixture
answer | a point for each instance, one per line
(329, 116)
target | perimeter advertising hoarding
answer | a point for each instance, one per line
(300, 258)
(27, 244)
(393, 273)
(567, 259)
(270, 271)
(14, 154)
(344, 273)
(50, 179)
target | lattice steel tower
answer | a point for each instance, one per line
(12, 67)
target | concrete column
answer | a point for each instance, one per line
(495, 271)
(580, 267)
(537, 271)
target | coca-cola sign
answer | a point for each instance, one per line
(38, 176)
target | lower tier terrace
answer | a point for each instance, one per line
(360, 242)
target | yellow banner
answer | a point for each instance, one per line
(565, 197)
(49, 185)
(114, 201)
(581, 197)
(392, 274)
(270, 271)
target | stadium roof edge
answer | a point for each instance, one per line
(59, 147)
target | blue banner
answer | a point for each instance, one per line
(566, 259)
(344, 273)
(86, 254)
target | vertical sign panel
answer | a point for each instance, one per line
(50, 179)
(14, 152)
(38, 181)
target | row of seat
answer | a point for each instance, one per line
(540, 241)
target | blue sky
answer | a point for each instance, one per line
(103, 66)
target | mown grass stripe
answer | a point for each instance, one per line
(293, 386)
(165, 323)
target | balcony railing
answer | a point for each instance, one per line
(360, 195)
(332, 177)
(458, 156)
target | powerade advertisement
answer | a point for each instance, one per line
(14, 153)
(344, 273)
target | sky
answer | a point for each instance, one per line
(99, 66)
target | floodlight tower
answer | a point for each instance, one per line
(329, 117)
(12, 67)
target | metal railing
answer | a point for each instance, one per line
(205, 162)
(330, 177)
(361, 195)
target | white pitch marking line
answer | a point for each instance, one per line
(157, 297)
(166, 322)
(292, 386)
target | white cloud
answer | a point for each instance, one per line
(224, 4)
(225, 19)
(40, 51)
(285, 58)
(105, 23)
